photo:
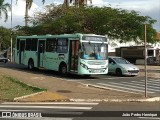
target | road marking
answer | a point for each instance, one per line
(52, 107)
(142, 82)
(131, 86)
(155, 79)
(37, 78)
(142, 85)
(108, 78)
(124, 88)
(112, 78)
(50, 103)
(152, 80)
(109, 88)
(151, 118)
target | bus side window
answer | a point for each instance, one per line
(28, 44)
(51, 45)
(34, 42)
(62, 45)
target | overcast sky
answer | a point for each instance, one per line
(144, 7)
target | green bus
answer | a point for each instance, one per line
(77, 53)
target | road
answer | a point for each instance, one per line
(79, 111)
(134, 85)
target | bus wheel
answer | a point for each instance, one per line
(118, 72)
(30, 65)
(63, 69)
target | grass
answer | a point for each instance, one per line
(11, 88)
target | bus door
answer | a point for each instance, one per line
(73, 55)
(41, 49)
(21, 51)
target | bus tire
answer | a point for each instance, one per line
(30, 64)
(118, 72)
(63, 69)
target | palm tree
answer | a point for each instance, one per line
(4, 9)
(28, 6)
(76, 2)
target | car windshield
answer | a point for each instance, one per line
(121, 61)
(94, 51)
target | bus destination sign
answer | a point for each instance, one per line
(94, 38)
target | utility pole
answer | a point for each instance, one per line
(145, 57)
(11, 35)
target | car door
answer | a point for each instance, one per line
(112, 66)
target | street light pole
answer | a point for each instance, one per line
(11, 34)
(145, 57)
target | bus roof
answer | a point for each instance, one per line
(75, 35)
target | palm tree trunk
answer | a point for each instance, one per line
(26, 14)
(66, 3)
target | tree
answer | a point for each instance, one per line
(118, 24)
(27, 8)
(4, 38)
(4, 9)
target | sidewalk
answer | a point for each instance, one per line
(152, 71)
(149, 67)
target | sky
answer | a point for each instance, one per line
(143, 7)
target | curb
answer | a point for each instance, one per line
(25, 96)
(155, 99)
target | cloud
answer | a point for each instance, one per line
(99, 2)
(18, 12)
(142, 5)
(19, 8)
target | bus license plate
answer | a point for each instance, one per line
(97, 71)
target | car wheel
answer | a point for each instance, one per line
(118, 72)
(30, 65)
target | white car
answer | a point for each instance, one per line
(121, 66)
(3, 59)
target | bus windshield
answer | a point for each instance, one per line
(94, 51)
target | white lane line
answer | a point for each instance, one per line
(47, 107)
(124, 88)
(155, 79)
(131, 86)
(116, 78)
(50, 103)
(149, 118)
(109, 78)
(142, 85)
(149, 82)
(111, 88)
(141, 81)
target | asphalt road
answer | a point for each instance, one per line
(81, 111)
(134, 85)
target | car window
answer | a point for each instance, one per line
(111, 61)
(121, 61)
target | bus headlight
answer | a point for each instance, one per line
(84, 66)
